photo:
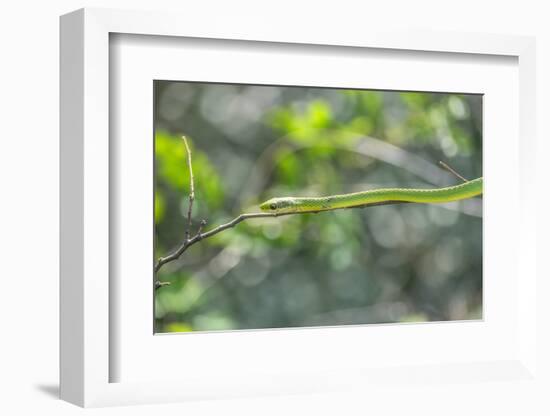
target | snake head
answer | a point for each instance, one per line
(278, 205)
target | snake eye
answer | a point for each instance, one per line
(273, 206)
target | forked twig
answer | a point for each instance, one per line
(243, 217)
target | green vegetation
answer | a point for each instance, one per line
(398, 263)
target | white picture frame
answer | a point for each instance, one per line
(87, 302)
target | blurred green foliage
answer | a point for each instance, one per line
(403, 263)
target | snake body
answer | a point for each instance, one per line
(465, 190)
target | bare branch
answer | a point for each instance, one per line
(189, 241)
(158, 283)
(191, 188)
(200, 236)
(454, 172)
(243, 217)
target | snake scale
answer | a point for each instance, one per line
(465, 190)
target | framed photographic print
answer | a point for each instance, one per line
(277, 213)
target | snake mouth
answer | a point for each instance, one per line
(269, 206)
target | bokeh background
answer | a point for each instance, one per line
(387, 264)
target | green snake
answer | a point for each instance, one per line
(285, 205)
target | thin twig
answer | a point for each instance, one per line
(191, 189)
(243, 217)
(189, 241)
(454, 172)
(200, 236)
(201, 225)
(159, 284)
